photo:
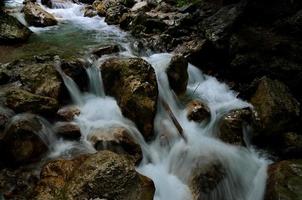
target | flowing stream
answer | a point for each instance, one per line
(168, 159)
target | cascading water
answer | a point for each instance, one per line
(168, 160)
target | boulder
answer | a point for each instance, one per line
(68, 113)
(114, 14)
(104, 175)
(11, 30)
(232, 124)
(177, 73)
(198, 111)
(219, 26)
(106, 49)
(90, 11)
(67, 130)
(36, 16)
(278, 111)
(132, 82)
(103, 6)
(23, 101)
(118, 140)
(284, 180)
(290, 146)
(24, 139)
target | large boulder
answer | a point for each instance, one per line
(24, 139)
(23, 101)
(284, 180)
(104, 175)
(118, 140)
(177, 73)
(11, 30)
(67, 130)
(68, 113)
(232, 124)
(102, 7)
(278, 111)
(36, 16)
(132, 82)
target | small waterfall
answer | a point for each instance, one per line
(72, 87)
(168, 160)
(95, 80)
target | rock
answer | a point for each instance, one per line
(17, 183)
(68, 113)
(104, 175)
(231, 127)
(277, 109)
(177, 73)
(103, 6)
(198, 111)
(118, 140)
(5, 115)
(114, 14)
(54, 176)
(90, 11)
(107, 49)
(47, 3)
(132, 82)
(140, 6)
(11, 30)
(218, 26)
(36, 16)
(291, 145)
(24, 139)
(22, 101)
(205, 180)
(68, 130)
(284, 180)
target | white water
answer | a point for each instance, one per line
(170, 159)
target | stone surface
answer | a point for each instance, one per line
(68, 130)
(36, 16)
(11, 30)
(104, 175)
(177, 72)
(118, 140)
(68, 113)
(284, 180)
(132, 82)
(107, 49)
(198, 111)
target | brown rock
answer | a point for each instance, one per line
(132, 82)
(68, 113)
(198, 111)
(68, 130)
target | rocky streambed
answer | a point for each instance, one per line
(116, 99)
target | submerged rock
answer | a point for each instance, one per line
(118, 140)
(132, 82)
(177, 72)
(284, 180)
(198, 111)
(36, 16)
(102, 175)
(231, 127)
(11, 30)
(205, 180)
(24, 140)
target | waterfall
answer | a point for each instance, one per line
(168, 160)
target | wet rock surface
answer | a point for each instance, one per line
(198, 111)
(36, 16)
(284, 180)
(133, 83)
(11, 30)
(101, 175)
